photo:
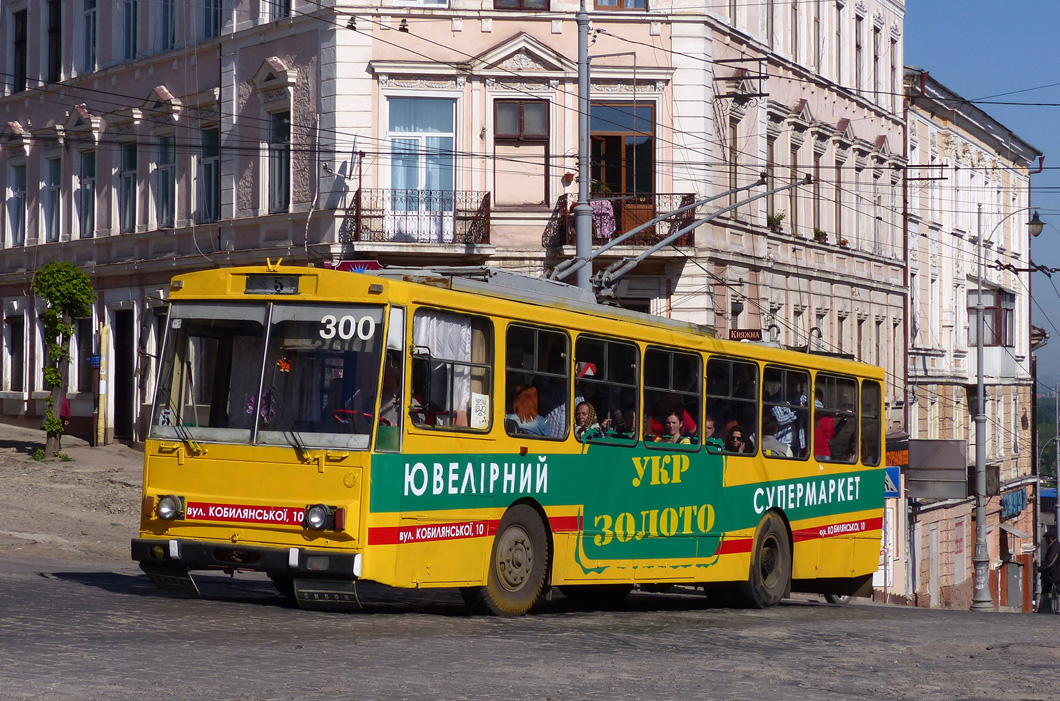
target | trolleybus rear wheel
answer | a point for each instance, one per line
(838, 599)
(518, 563)
(770, 571)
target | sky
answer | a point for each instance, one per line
(1004, 51)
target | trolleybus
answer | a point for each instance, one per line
(500, 434)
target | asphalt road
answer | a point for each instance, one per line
(86, 631)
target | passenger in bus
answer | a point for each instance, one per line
(737, 441)
(524, 412)
(789, 414)
(708, 433)
(586, 427)
(771, 445)
(390, 396)
(671, 429)
(621, 424)
(823, 428)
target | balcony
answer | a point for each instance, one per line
(613, 216)
(419, 216)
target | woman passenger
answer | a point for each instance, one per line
(671, 425)
(524, 412)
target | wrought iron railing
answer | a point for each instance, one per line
(419, 216)
(619, 213)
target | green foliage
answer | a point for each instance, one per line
(775, 221)
(69, 295)
(38, 454)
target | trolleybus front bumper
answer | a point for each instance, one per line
(157, 555)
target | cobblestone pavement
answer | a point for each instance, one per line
(79, 621)
(78, 631)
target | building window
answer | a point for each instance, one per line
(21, 55)
(86, 195)
(16, 205)
(520, 4)
(130, 25)
(621, 4)
(16, 345)
(794, 30)
(127, 190)
(771, 177)
(894, 76)
(211, 21)
(623, 147)
(278, 9)
(55, 42)
(770, 21)
(165, 25)
(859, 58)
(167, 181)
(816, 192)
(88, 56)
(279, 162)
(793, 193)
(839, 43)
(209, 184)
(838, 201)
(734, 164)
(521, 148)
(84, 354)
(876, 65)
(999, 311)
(818, 48)
(50, 198)
(422, 172)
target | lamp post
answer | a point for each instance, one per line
(981, 600)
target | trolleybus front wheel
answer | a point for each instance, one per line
(518, 563)
(770, 571)
(838, 599)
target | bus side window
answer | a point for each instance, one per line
(731, 422)
(871, 429)
(785, 392)
(606, 374)
(835, 418)
(672, 383)
(451, 370)
(537, 382)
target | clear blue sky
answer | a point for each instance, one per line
(1005, 51)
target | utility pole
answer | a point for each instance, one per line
(981, 600)
(1056, 448)
(583, 211)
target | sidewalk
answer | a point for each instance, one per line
(84, 508)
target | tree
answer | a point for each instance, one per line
(69, 295)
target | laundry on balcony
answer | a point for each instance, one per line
(603, 218)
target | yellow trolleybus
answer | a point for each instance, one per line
(498, 433)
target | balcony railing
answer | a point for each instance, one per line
(618, 214)
(419, 216)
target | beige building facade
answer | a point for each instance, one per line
(969, 196)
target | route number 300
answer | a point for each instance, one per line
(347, 327)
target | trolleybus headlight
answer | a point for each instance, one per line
(318, 517)
(170, 507)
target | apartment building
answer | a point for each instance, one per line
(171, 136)
(969, 197)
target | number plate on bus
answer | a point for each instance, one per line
(272, 285)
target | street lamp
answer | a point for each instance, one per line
(981, 600)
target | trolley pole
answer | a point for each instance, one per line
(583, 212)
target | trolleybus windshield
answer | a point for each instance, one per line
(314, 385)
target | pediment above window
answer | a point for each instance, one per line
(14, 138)
(523, 53)
(82, 127)
(161, 107)
(274, 75)
(125, 122)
